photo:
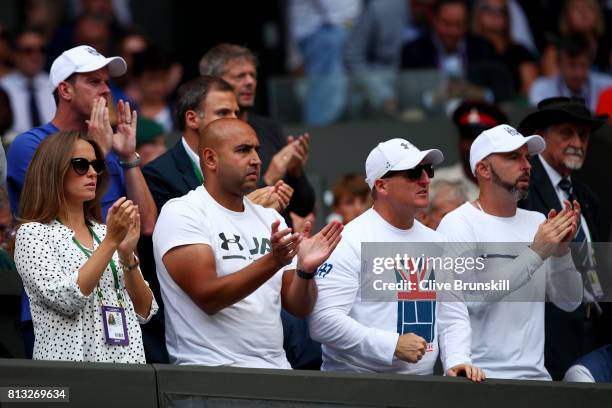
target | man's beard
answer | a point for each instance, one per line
(574, 158)
(517, 193)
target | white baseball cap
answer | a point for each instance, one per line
(502, 139)
(84, 59)
(397, 154)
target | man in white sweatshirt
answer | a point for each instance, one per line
(397, 336)
(503, 333)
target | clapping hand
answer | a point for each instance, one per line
(284, 244)
(123, 225)
(299, 154)
(128, 245)
(289, 160)
(556, 229)
(124, 141)
(570, 208)
(313, 251)
(276, 196)
(98, 126)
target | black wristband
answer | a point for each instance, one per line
(304, 275)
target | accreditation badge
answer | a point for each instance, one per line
(115, 326)
(595, 284)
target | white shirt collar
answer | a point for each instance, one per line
(192, 155)
(553, 174)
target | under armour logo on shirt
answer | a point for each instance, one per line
(226, 242)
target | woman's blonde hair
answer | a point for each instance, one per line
(43, 196)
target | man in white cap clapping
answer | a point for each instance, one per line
(80, 78)
(504, 333)
(397, 336)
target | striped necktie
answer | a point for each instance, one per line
(580, 250)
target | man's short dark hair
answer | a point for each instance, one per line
(575, 45)
(438, 4)
(191, 94)
(214, 61)
(71, 79)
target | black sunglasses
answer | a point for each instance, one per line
(81, 165)
(414, 173)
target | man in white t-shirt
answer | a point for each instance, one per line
(383, 336)
(504, 333)
(219, 259)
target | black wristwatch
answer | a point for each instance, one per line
(304, 275)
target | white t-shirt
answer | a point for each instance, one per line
(505, 339)
(362, 336)
(248, 333)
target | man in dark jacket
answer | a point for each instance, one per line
(566, 124)
(282, 158)
(448, 46)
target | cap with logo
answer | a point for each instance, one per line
(395, 155)
(84, 59)
(502, 139)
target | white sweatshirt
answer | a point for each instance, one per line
(362, 336)
(504, 338)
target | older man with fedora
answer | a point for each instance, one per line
(566, 124)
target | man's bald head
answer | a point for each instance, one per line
(228, 156)
(221, 131)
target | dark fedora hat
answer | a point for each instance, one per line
(473, 117)
(557, 110)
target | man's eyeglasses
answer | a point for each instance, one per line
(81, 165)
(414, 173)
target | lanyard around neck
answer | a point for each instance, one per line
(111, 263)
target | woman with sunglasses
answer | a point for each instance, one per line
(86, 290)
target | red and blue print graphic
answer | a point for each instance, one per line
(416, 309)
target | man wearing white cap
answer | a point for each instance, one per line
(381, 336)
(505, 334)
(79, 78)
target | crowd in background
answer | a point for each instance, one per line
(350, 52)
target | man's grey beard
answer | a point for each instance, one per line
(574, 158)
(517, 194)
